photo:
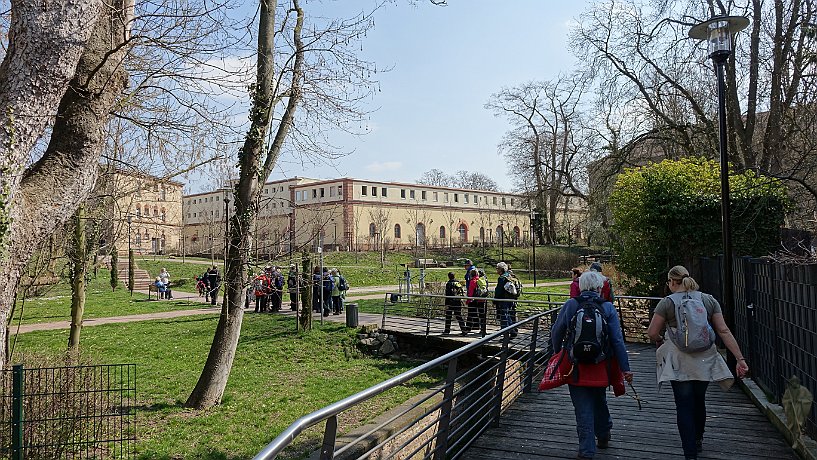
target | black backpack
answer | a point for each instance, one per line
(588, 334)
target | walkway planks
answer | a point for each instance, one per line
(542, 425)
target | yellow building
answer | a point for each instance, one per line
(355, 214)
(147, 212)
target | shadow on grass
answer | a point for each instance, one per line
(200, 454)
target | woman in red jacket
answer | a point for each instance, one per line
(588, 382)
(574, 285)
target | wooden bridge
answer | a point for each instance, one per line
(542, 425)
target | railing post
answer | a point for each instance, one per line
(429, 313)
(330, 434)
(445, 412)
(17, 412)
(385, 306)
(500, 379)
(534, 337)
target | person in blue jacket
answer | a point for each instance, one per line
(588, 385)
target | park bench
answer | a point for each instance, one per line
(153, 289)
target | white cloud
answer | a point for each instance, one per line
(378, 167)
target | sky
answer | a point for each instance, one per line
(446, 63)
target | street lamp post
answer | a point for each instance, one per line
(719, 32)
(130, 255)
(533, 243)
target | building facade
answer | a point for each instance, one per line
(147, 212)
(356, 214)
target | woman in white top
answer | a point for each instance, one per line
(689, 373)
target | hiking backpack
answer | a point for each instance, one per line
(482, 288)
(454, 288)
(693, 332)
(513, 286)
(292, 282)
(588, 333)
(328, 283)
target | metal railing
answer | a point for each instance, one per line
(426, 313)
(68, 412)
(480, 381)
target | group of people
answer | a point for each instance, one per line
(328, 291)
(689, 369)
(475, 286)
(268, 289)
(162, 284)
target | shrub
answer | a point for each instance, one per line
(669, 212)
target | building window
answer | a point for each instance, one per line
(503, 201)
(164, 194)
(456, 198)
(188, 215)
(397, 230)
(323, 192)
(155, 212)
(164, 214)
(445, 197)
(217, 198)
(332, 191)
(494, 200)
(194, 214)
(374, 191)
(466, 198)
(314, 193)
(138, 238)
(372, 229)
(383, 192)
(138, 211)
(340, 190)
(216, 212)
(411, 194)
(420, 234)
(403, 193)
(463, 230)
(423, 194)
(442, 232)
(513, 202)
(363, 190)
(155, 186)
(436, 196)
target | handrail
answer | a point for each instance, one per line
(330, 412)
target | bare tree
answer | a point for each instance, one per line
(53, 47)
(641, 52)
(474, 181)
(436, 178)
(547, 141)
(312, 66)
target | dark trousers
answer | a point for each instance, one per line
(293, 300)
(276, 301)
(592, 417)
(213, 294)
(690, 409)
(261, 303)
(337, 304)
(505, 313)
(454, 310)
(473, 320)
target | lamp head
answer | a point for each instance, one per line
(718, 32)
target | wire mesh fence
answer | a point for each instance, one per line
(77, 412)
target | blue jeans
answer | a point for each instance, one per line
(592, 417)
(690, 408)
(506, 313)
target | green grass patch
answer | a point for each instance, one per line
(101, 302)
(278, 376)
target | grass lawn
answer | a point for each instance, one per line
(278, 376)
(101, 302)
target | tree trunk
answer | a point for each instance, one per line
(79, 268)
(46, 194)
(114, 268)
(213, 380)
(305, 314)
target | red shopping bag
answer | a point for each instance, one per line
(557, 372)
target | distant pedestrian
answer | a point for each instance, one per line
(477, 287)
(689, 372)
(607, 290)
(469, 265)
(276, 288)
(292, 287)
(316, 290)
(453, 307)
(261, 290)
(327, 285)
(505, 296)
(337, 302)
(165, 277)
(574, 285)
(213, 283)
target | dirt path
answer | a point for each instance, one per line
(372, 292)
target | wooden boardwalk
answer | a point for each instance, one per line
(542, 425)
